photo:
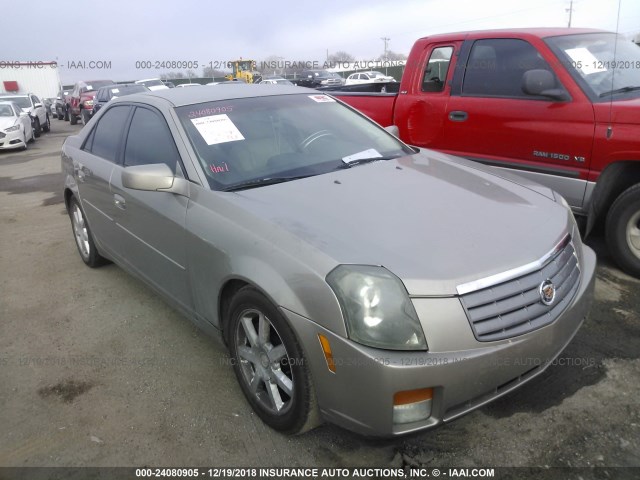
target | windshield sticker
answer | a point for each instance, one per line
(365, 154)
(219, 168)
(321, 98)
(217, 129)
(585, 61)
(210, 111)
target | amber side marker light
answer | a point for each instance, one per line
(412, 405)
(326, 349)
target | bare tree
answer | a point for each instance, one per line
(393, 56)
(341, 57)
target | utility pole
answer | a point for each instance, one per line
(386, 43)
(570, 10)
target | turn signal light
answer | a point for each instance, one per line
(328, 356)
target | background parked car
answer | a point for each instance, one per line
(80, 100)
(60, 105)
(319, 78)
(105, 94)
(34, 107)
(276, 81)
(368, 77)
(153, 84)
(15, 127)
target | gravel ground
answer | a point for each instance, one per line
(96, 370)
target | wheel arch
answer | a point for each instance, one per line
(614, 179)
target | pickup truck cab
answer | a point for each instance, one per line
(559, 106)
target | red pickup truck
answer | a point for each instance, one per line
(79, 103)
(559, 106)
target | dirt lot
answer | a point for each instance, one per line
(96, 370)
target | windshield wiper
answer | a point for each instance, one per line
(262, 182)
(362, 161)
(619, 90)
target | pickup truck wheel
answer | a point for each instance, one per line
(37, 129)
(85, 117)
(66, 114)
(73, 120)
(47, 126)
(623, 230)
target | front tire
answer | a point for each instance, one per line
(623, 230)
(83, 237)
(269, 364)
(37, 129)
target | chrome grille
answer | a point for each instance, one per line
(515, 307)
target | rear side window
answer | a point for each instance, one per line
(435, 73)
(496, 67)
(105, 138)
(150, 141)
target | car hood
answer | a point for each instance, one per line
(6, 122)
(433, 222)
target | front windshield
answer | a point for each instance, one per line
(604, 63)
(100, 83)
(6, 111)
(153, 83)
(242, 140)
(23, 102)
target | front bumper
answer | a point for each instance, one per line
(11, 140)
(464, 373)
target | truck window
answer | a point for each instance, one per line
(496, 66)
(435, 74)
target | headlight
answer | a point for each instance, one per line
(376, 308)
(12, 129)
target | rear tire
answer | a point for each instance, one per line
(623, 230)
(83, 237)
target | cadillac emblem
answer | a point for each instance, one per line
(547, 292)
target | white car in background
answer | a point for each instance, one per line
(153, 84)
(34, 107)
(368, 77)
(15, 127)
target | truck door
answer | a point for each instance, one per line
(490, 119)
(420, 111)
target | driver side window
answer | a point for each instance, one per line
(150, 141)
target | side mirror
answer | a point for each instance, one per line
(154, 178)
(542, 83)
(37, 105)
(393, 130)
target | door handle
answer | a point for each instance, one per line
(458, 116)
(119, 202)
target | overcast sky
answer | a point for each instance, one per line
(124, 32)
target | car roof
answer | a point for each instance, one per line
(513, 33)
(178, 97)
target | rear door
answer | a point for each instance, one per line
(92, 169)
(490, 119)
(420, 112)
